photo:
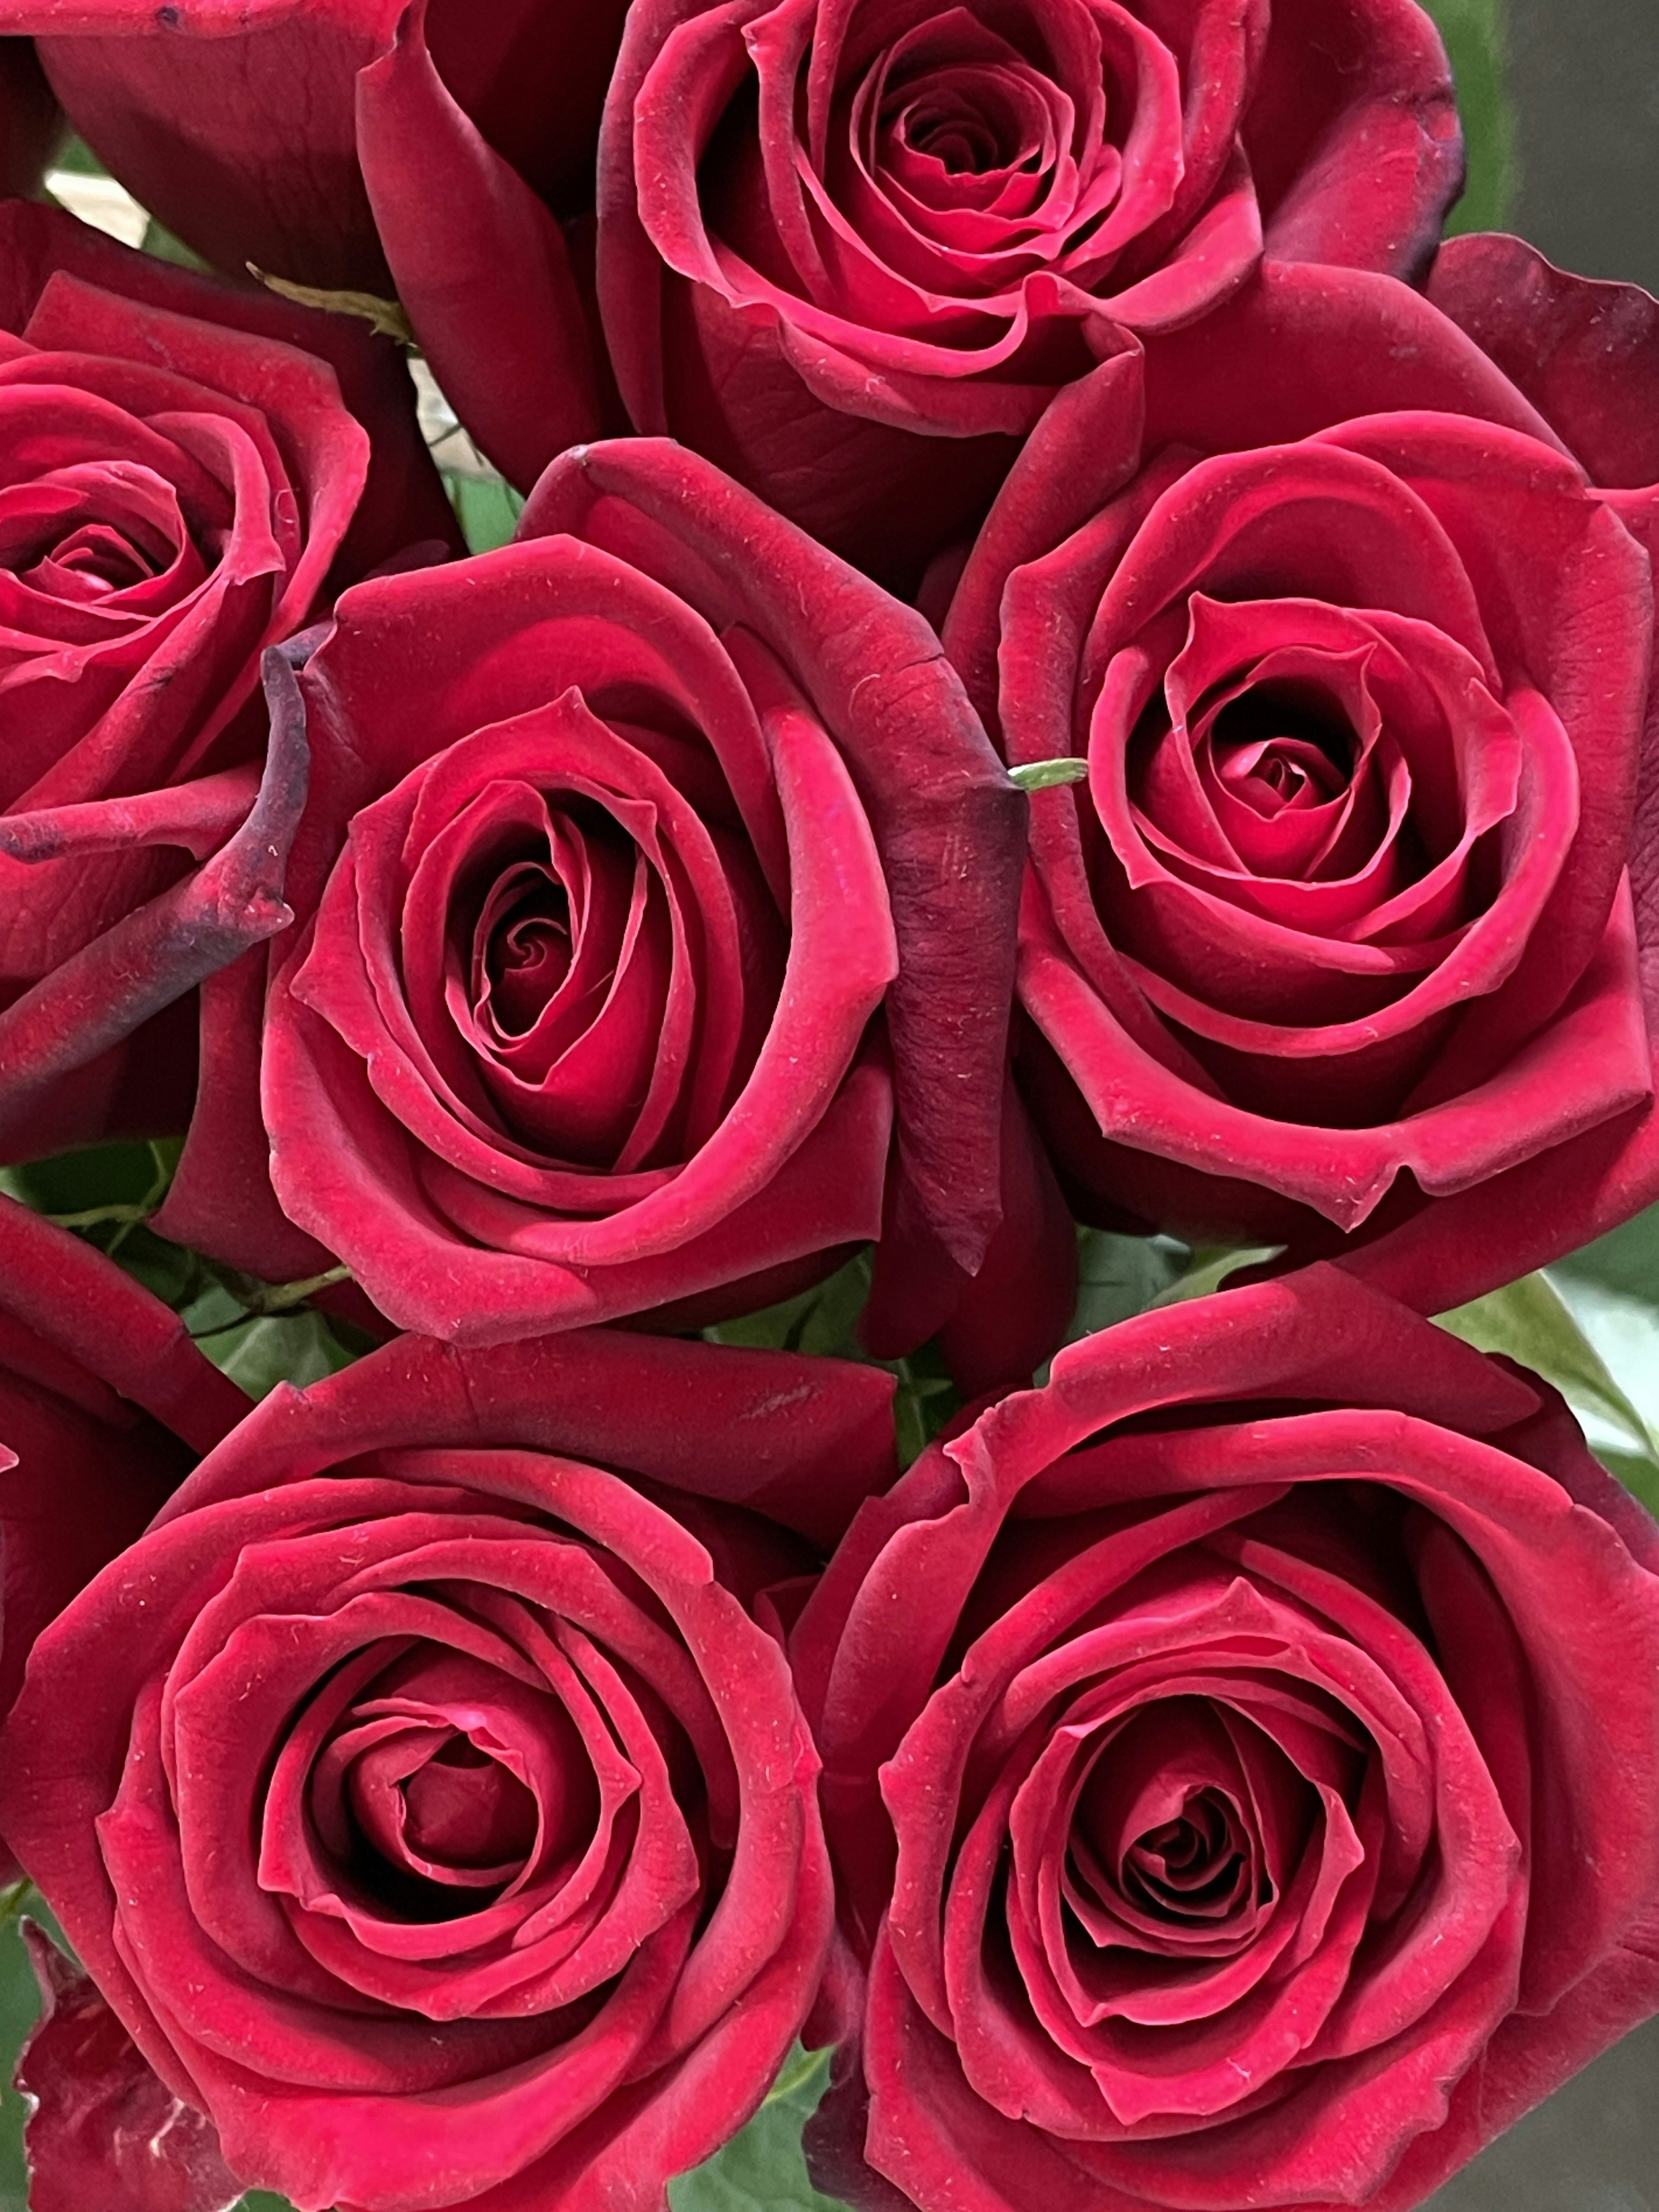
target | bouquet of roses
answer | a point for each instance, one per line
(725, 1201)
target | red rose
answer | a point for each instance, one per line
(438, 1817)
(182, 487)
(1267, 1719)
(104, 1404)
(617, 840)
(831, 242)
(324, 141)
(1351, 913)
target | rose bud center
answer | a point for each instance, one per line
(1193, 1864)
(462, 1808)
(1169, 1847)
(971, 122)
(94, 535)
(436, 1782)
(984, 164)
(1272, 752)
(522, 948)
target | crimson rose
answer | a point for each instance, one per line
(650, 863)
(179, 484)
(1266, 1716)
(104, 1403)
(851, 252)
(438, 1815)
(328, 141)
(1352, 914)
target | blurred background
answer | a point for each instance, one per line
(1560, 100)
(1580, 81)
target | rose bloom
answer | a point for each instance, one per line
(852, 253)
(635, 881)
(438, 1816)
(179, 486)
(1346, 927)
(1240, 1761)
(421, 152)
(105, 1404)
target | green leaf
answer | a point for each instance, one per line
(823, 1319)
(1625, 1261)
(160, 242)
(1473, 33)
(19, 2005)
(1118, 1276)
(83, 1189)
(1531, 1322)
(927, 1399)
(488, 507)
(255, 1297)
(1637, 1471)
(829, 1327)
(1209, 1268)
(762, 2168)
(259, 1351)
(20, 2002)
(261, 1334)
(79, 159)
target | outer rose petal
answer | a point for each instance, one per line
(64, 1294)
(490, 1473)
(1155, 1435)
(513, 358)
(1529, 2058)
(93, 1003)
(1371, 186)
(352, 1173)
(107, 928)
(83, 1348)
(1585, 354)
(103, 2128)
(1019, 1305)
(1535, 1214)
(403, 502)
(240, 133)
(802, 1440)
(930, 785)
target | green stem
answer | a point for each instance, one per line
(283, 1298)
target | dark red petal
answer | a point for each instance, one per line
(104, 2130)
(1585, 354)
(478, 262)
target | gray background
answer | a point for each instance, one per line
(1593, 2148)
(1584, 84)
